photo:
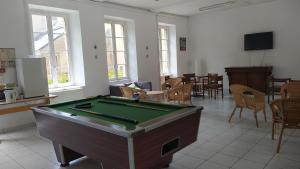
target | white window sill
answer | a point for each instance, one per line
(113, 82)
(63, 89)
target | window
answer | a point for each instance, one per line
(116, 50)
(164, 52)
(51, 41)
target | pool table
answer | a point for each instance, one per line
(119, 133)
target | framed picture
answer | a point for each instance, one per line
(7, 58)
(182, 43)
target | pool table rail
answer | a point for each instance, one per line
(104, 125)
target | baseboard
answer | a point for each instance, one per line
(15, 128)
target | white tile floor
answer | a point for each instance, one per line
(220, 145)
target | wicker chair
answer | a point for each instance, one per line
(277, 117)
(181, 94)
(290, 90)
(128, 92)
(171, 83)
(246, 97)
(290, 115)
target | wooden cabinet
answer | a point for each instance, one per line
(254, 77)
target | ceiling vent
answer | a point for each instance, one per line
(219, 5)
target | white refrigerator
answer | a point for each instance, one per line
(32, 77)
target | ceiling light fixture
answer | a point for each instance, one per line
(205, 8)
(98, 0)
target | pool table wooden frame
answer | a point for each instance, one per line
(115, 147)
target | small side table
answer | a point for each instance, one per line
(158, 95)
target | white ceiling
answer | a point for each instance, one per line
(185, 7)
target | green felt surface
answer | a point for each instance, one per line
(134, 113)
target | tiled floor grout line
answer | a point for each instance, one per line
(18, 163)
(274, 154)
(240, 158)
(266, 165)
(220, 152)
(13, 159)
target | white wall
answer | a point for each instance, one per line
(216, 39)
(15, 33)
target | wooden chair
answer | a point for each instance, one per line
(290, 90)
(290, 109)
(192, 78)
(180, 94)
(275, 86)
(128, 92)
(246, 97)
(171, 83)
(189, 78)
(214, 85)
(296, 81)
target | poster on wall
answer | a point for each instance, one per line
(7, 59)
(182, 43)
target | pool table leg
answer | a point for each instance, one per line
(166, 163)
(169, 162)
(64, 155)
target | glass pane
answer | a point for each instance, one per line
(122, 71)
(121, 58)
(60, 42)
(110, 59)
(108, 31)
(165, 68)
(163, 33)
(40, 33)
(46, 55)
(109, 44)
(120, 44)
(164, 56)
(41, 42)
(119, 30)
(110, 65)
(111, 73)
(164, 44)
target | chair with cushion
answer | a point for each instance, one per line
(128, 92)
(171, 83)
(186, 93)
(290, 113)
(246, 97)
(115, 89)
(180, 94)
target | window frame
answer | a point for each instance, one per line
(52, 57)
(126, 52)
(160, 49)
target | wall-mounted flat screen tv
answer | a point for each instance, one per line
(258, 41)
